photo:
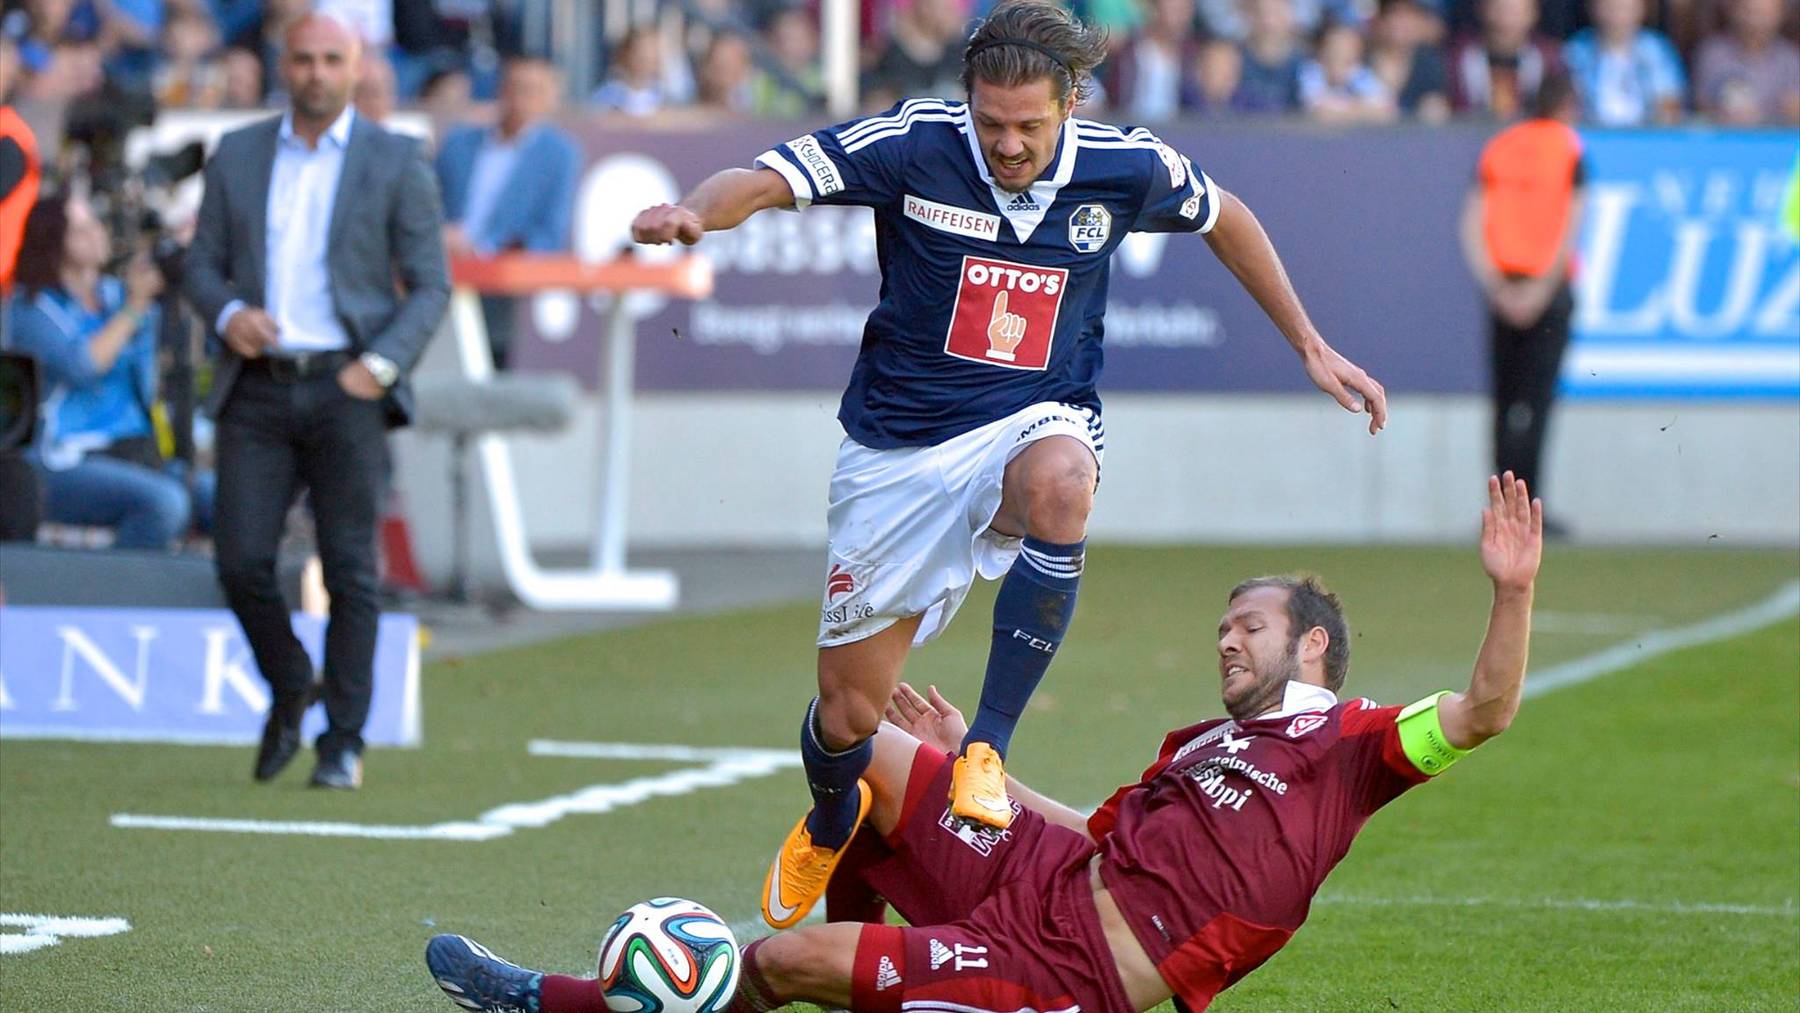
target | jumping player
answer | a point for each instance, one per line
(1179, 885)
(974, 432)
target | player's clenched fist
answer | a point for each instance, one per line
(666, 223)
(1005, 330)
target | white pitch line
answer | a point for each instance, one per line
(1676, 907)
(48, 930)
(722, 767)
(1783, 604)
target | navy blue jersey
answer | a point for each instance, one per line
(990, 301)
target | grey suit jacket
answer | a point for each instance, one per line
(390, 283)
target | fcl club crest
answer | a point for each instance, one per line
(1090, 227)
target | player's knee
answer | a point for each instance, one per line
(846, 714)
(793, 963)
(1060, 495)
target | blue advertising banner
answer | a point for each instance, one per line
(1689, 281)
(174, 675)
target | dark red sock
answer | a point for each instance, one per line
(753, 992)
(559, 993)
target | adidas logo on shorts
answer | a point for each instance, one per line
(886, 976)
(940, 954)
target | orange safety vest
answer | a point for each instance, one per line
(16, 205)
(1528, 179)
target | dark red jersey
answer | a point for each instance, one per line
(1214, 856)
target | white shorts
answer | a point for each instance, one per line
(909, 526)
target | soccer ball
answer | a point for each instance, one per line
(668, 955)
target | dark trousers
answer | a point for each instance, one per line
(1526, 361)
(274, 438)
(500, 314)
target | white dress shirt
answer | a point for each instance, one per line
(297, 287)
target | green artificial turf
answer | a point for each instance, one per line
(1633, 843)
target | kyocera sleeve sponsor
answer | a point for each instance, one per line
(826, 177)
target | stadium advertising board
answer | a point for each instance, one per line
(1690, 267)
(1364, 219)
(174, 675)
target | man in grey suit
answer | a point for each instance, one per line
(319, 260)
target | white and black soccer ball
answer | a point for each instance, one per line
(668, 955)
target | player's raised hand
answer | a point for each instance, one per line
(1512, 533)
(1005, 330)
(1349, 385)
(666, 223)
(932, 721)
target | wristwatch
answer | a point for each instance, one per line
(380, 367)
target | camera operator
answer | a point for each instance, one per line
(95, 338)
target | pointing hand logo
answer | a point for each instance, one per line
(1005, 330)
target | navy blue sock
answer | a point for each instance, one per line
(832, 778)
(1031, 614)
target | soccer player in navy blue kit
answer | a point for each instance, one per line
(974, 437)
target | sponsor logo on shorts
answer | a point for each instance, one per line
(826, 178)
(886, 975)
(839, 582)
(1005, 313)
(1305, 723)
(849, 612)
(1090, 227)
(983, 839)
(940, 954)
(952, 219)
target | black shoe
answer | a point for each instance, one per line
(341, 770)
(281, 734)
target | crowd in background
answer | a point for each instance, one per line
(1634, 61)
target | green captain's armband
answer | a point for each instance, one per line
(1422, 737)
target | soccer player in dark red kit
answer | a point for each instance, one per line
(973, 426)
(1178, 886)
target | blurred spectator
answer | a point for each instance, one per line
(1148, 78)
(724, 74)
(234, 18)
(1272, 57)
(638, 84)
(241, 73)
(1519, 228)
(923, 55)
(1749, 74)
(1336, 86)
(94, 337)
(36, 28)
(72, 70)
(1217, 72)
(372, 19)
(510, 186)
(265, 34)
(1402, 52)
(445, 98)
(1499, 71)
(375, 96)
(1230, 19)
(468, 35)
(791, 88)
(1627, 75)
(187, 75)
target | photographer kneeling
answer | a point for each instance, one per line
(94, 336)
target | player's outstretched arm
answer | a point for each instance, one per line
(1240, 243)
(1512, 545)
(937, 723)
(723, 201)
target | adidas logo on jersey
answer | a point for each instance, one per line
(1023, 202)
(886, 976)
(940, 954)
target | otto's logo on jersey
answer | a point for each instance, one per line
(1303, 724)
(1006, 313)
(1174, 162)
(1090, 227)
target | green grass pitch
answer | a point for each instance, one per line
(1632, 844)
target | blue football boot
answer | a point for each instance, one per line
(475, 979)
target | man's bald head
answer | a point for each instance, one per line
(320, 62)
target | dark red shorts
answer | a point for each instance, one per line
(1001, 920)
